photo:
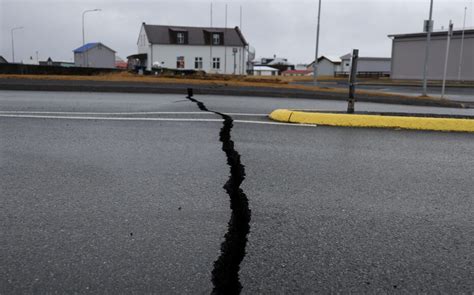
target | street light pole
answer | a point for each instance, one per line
(13, 42)
(450, 34)
(462, 45)
(315, 65)
(428, 29)
(83, 31)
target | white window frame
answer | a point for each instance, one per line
(216, 39)
(216, 63)
(180, 38)
(198, 63)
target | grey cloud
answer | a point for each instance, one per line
(285, 28)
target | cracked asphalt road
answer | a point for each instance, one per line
(117, 206)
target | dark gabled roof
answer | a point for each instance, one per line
(433, 34)
(3, 60)
(89, 46)
(158, 34)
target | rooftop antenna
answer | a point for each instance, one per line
(211, 14)
(241, 18)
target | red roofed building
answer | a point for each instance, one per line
(297, 73)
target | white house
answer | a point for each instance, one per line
(264, 71)
(212, 50)
(367, 65)
(327, 65)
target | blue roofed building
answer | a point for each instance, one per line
(94, 55)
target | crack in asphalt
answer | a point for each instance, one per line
(225, 275)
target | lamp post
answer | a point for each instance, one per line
(13, 42)
(315, 65)
(428, 29)
(450, 34)
(462, 45)
(83, 32)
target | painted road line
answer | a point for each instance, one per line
(375, 121)
(129, 113)
(149, 119)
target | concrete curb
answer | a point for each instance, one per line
(409, 121)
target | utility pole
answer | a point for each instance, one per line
(225, 44)
(241, 52)
(13, 42)
(462, 45)
(241, 18)
(352, 81)
(210, 44)
(315, 65)
(450, 33)
(428, 28)
(83, 32)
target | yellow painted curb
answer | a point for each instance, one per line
(374, 121)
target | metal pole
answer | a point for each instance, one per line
(210, 43)
(13, 42)
(427, 50)
(242, 52)
(241, 18)
(352, 81)
(450, 32)
(13, 48)
(462, 45)
(315, 65)
(83, 32)
(225, 44)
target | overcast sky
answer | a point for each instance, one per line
(286, 28)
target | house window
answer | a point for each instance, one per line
(180, 38)
(180, 62)
(198, 63)
(216, 63)
(216, 39)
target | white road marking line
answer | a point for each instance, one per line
(130, 113)
(148, 119)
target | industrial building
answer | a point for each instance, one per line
(408, 55)
(94, 55)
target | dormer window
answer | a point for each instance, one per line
(216, 39)
(180, 38)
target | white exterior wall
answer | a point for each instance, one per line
(169, 53)
(143, 44)
(96, 57)
(346, 65)
(325, 68)
(408, 57)
(373, 65)
(265, 73)
(366, 65)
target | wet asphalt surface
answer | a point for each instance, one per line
(137, 206)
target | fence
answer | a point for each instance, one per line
(22, 69)
(363, 74)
